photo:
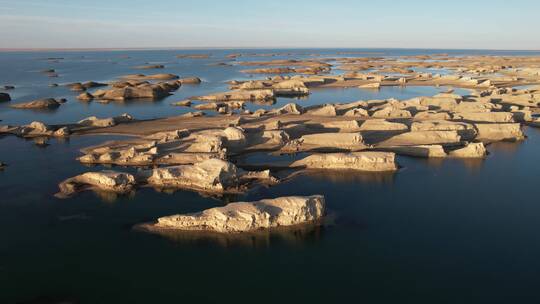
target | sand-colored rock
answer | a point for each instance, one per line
(322, 110)
(85, 96)
(290, 108)
(497, 117)
(424, 151)
(360, 161)
(328, 142)
(248, 216)
(148, 91)
(150, 77)
(182, 103)
(420, 138)
(382, 125)
(471, 150)
(499, 132)
(372, 86)
(253, 95)
(47, 103)
(390, 112)
(190, 80)
(105, 122)
(109, 181)
(212, 176)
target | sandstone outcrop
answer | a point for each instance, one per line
(359, 161)
(244, 217)
(211, 176)
(48, 103)
(108, 181)
(145, 90)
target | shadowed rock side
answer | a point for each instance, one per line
(247, 216)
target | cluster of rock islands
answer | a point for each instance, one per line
(205, 150)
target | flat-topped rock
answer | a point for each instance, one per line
(329, 142)
(382, 125)
(499, 132)
(424, 151)
(148, 91)
(150, 77)
(48, 103)
(422, 138)
(497, 117)
(248, 216)
(360, 161)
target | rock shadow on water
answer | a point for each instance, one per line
(291, 236)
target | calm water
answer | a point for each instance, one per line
(447, 231)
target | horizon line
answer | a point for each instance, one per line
(75, 49)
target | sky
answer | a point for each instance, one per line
(454, 24)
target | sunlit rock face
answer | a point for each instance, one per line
(248, 216)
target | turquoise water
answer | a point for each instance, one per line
(448, 231)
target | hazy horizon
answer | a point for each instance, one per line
(419, 24)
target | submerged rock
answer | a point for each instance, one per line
(361, 161)
(248, 216)
(182, 103)
(149, 67)
(109, 181)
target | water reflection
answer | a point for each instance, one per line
(351, 176)
(291, 236)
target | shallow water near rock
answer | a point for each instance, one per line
(431, 233)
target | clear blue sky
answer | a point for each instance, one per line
(486, 24)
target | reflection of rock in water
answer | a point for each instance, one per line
(473, 165)
(293, 236)
(346, 176)
(111, 197)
